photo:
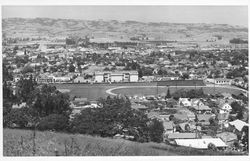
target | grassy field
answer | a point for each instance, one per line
(95, 91)
(160, 90)
(21, 143)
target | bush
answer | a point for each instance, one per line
(212, 147)
(53, 122)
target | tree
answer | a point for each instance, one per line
(171, 117)
(237, 108)
(140, 75)
(7, 76)
(185, 76)
(115, 117)
(47, 100)
(168, 94)
(213, 122)
(160, 72)
(27, 69)
(156, 130)
(245, 132)
(187, 128)
(71, 68)
(25, 88)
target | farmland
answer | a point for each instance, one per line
(21, 143)
(95, 91)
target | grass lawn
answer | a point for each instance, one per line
(20, 143)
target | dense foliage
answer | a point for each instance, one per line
(116, 117)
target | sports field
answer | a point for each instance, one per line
(93, 92)
(160, 90)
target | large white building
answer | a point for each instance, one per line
(117, 76)
(220, 81)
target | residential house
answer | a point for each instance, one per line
(185, 102)
(202, 109)
(168, 127)
(204, 118)
(225, 107)
(45, 79)
(80, 79)
(196, 102)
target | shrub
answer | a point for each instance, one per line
(53, 122)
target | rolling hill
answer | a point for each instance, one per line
(119, 30)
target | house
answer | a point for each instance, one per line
(185, 102)
(79, 79)
(117, 76)
(223, 117)
(45, 79)
(238, 81)
(204, 118)
(62, 79)
(225, 107)
(202, 143)
(238, 124)
(168, 127)
(181, 116)
(202, 109)
(196, 102)
(228, 137)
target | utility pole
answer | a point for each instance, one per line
(214, 83)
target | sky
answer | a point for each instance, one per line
(232, 15)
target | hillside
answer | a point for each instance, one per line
(119, 30)
(20, 143)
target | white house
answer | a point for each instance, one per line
(225, 107)
(185, 102)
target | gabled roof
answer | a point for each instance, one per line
(238, 124)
